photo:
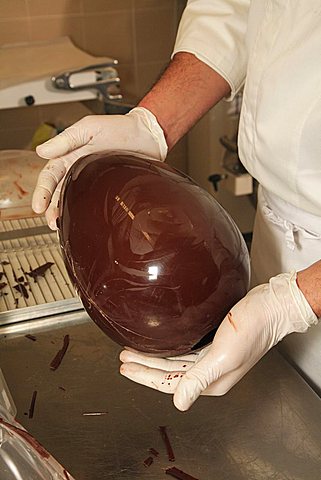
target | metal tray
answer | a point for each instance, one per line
(25, 245)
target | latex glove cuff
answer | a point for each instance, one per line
(146, 119)
(306, 317)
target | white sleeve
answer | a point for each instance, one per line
(214, 31)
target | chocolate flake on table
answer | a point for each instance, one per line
(148, 461)
(2, 285)
(29, 438)
(16, 302)
(2, 274)
(31, 337)
(62, 388)
(39, 271)
(170, 453)
(176, 473)
(32, 404)
(5, 262)
(60, 354)
(154, 452)
(21, 289)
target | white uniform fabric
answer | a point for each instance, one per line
(286, 239)
(273, 47)
(276, 46)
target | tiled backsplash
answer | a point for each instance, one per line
(139, 33)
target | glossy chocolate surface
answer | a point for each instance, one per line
(157, 262)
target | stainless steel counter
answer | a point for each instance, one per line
(268, 426)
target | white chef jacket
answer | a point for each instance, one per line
(273, 48)
(285, 240)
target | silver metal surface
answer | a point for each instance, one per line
(43, 311)
(267, 427)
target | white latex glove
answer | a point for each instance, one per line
(138, 132)
(261, 319)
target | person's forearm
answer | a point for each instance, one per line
(185, 92)
(309, 282)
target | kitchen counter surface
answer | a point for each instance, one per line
(268, 426)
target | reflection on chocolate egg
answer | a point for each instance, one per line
(156, 261)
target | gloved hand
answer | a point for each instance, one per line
(261, 319)
(138, 132)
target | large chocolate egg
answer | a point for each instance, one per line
(157, 262)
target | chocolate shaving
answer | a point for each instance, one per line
(18, 279)
(29, 438)
(39, 271)
(60, 354)
(2, 274)
(62, 388)
(153, 452)
(176, 473)
(20, 189)
(2, 286)
(5, 262)
(16, 302)
(31, 337)
(15, 276)
(32, 404)
(21, 289)
(170, 453)
(148, 461)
